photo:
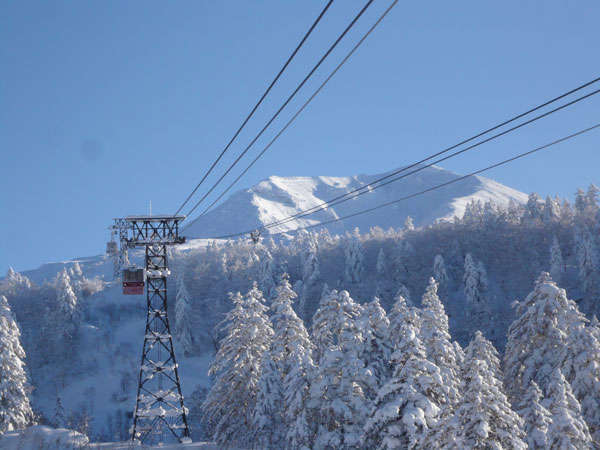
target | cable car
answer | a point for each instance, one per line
(133, 281)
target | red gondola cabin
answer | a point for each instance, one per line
(133, 281)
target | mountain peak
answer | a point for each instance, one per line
(277, 197)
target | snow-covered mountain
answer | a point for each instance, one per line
(279, 197)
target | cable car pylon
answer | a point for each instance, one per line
(159, 408)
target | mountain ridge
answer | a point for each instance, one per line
(277, 197)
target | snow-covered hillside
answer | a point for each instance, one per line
(279, 197)
(83, 365)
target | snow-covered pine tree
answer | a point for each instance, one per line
(475, 283)
(557, 266)
(482, 349)
(237, 369)
(401, 311)
(483, 417)
(580, 202)
(383, 285)
(404, 253)
(537, 338)
(266, 275)
(591, 197)
(589, 268)
(15, 281)
(15, 410)
(581, 365)
(291, 351)
(435, 335)
(354, 256)
(408, 405)
(551, 210)
(409, 224)
(439, 272)
(534, 207)
(323, 335)
(336, 393)
(269, 427)
(75, 271)
(183, 318)
(376, 349)
(536, 418)
(381, 267)
(310, 278)
(65, 295)
(567, 430)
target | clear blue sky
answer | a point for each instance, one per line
(107, 105)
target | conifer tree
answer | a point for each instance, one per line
(381, 268)
(266, 276)
(183, 314)
(482, 349)
(439, 271)
(237, 369)
(537, 338)
(291, 351)
(557, 266)
(581, 365)
(16, 281)
(588, 263)
(354, 256)
(403, 255)
(15, 410)
(551, 210)
(376, 350)
(567, 430)
(475, 283)
(435, 335)
(408, 224)
(536, 418)
(402, 310)
(269, 427)
(310, 277)
(67, 300)
(408, 405)
(483, 417)
(336, 394)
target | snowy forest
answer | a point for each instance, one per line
(480, 332)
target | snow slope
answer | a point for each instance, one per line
(43, 437)
(278, 197)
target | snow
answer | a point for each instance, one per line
(49, 438)
(277, 198)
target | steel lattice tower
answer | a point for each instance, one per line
(159, 411)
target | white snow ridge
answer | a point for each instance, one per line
(279, 197)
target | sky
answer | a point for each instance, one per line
(106, 106)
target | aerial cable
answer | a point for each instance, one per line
(439, 186)
(477, 172)
(310, 30)
(370, 187)
(358, 44)
(289, 99)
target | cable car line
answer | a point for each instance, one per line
(310, 30)
(477, 172)
(285, 127)
(369, 187)
(433, 188)
(331, 48)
